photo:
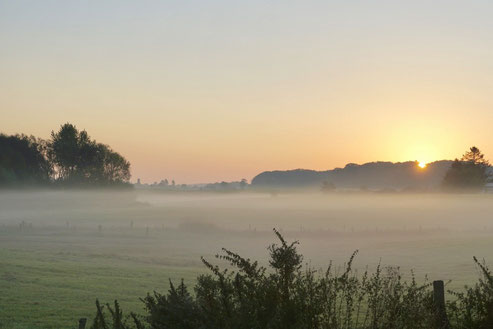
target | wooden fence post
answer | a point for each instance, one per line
(82, 323)
(439, 300)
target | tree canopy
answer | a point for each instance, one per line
(78, 159)
(468, 173)
(23, 161)
(69, 157)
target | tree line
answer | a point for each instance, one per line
(69, 158)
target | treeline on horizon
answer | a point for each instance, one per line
(469, 173)
(70, 158)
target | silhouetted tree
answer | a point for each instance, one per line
(468, 173)
(78, 159)
(116, 167)
(64, 150)
(23, 161)
(475, 156)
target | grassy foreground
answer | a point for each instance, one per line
(45, 290)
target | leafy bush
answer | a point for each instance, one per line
(289, 295)
(474, 307)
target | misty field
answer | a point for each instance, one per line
(59, 251)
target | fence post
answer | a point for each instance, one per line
(82, 323)
(439, 300)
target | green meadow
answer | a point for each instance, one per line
(53, 288)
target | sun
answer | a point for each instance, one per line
(422, 164)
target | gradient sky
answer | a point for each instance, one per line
(204, 91)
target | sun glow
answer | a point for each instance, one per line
(422, 164)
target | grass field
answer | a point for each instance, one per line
(61, 251)
(52, 289)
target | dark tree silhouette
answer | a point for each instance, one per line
(475, 156)
(116, 167)
(468, 173)
(79, 160)
(23, 161)
(70, 157)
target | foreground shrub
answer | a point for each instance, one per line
(288, 295)
(474, 307)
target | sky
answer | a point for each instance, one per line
(204, 91)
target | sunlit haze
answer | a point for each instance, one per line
(202, 91)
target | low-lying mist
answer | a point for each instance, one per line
(63, 249)
(432, 233)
